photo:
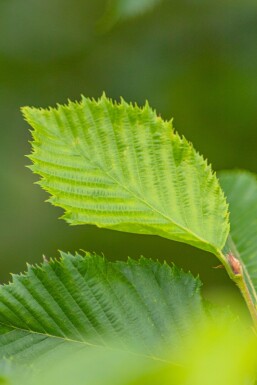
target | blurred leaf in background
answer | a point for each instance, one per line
(121, 9)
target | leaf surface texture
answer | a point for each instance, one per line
(122, 167)
(87, 302)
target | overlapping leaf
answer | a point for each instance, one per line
(205, 351)
(122, 167)
(86, 302)
(240, 187)
(208, 347)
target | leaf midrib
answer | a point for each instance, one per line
(135, 196)
(90, 344)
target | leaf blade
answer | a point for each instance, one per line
(122, 167)
(88, 302)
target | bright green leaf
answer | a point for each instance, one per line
(122, 167)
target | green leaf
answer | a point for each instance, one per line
(87, 302)
(222, 343)
(210, 357)
(122, 167)
(240, 187)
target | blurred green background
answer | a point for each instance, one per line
(195, 60)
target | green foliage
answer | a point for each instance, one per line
(87, 302)
(184, 56)
(221, 352)
(122, 167)
(240, 188)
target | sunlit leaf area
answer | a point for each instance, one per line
(128, 192)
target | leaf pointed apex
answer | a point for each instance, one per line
(148, 108)
(62, 254)
(104, 96)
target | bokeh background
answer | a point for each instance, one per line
(195, 60)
